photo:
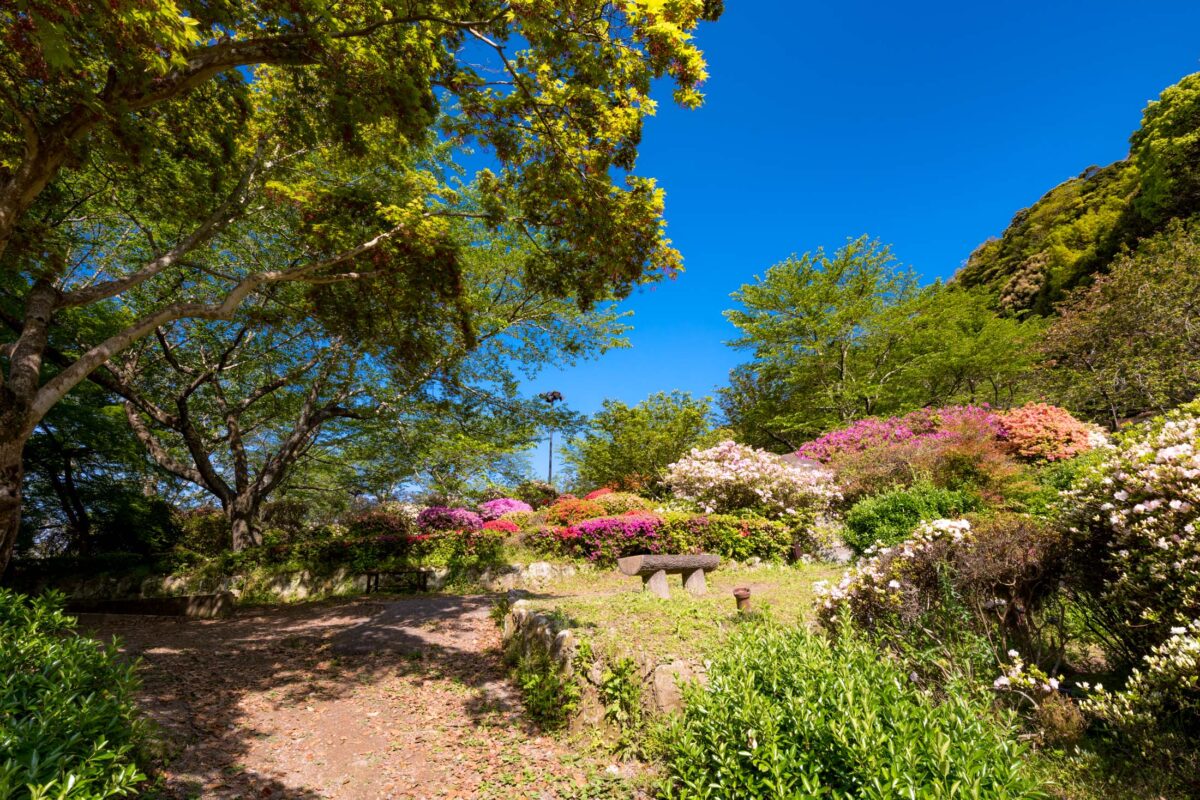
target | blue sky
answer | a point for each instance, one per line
(926, 125)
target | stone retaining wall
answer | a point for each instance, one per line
(525, 630)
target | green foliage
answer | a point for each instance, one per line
(629, 448)
(68, 726)
(837, 338)
(551, 696)
(205, 531)
(1077, 228)
(728, 535)
(789, 713)
(891, 517)
(1126, 344)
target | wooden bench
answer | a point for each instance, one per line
(416, 579)
(653, 571)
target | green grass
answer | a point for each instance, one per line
(611, 610)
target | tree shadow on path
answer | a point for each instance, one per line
(375, 697)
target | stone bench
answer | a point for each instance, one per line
(411, 579)
(653, 571)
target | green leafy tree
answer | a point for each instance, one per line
(139, 138)
(852, 335)
(1130, 343)
(630, 447)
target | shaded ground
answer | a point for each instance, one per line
(392, 698)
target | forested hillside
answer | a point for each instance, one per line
(1078, 227)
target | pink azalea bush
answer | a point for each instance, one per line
(495, 509)
(923, 424)
(442, 518)
(730, 477)
(1041, 431)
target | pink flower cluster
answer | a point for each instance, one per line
(495, 509)
(441, 518)
(921, 425)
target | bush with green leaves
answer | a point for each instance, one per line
(891, 517)
(790, 713)
(68, 726)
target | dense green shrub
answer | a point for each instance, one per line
(891, 517)
(727, 535)
(68, 727)
(536, 493)
(206, 531)
(789, 713)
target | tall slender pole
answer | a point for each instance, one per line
(551, 398)
(550, 470)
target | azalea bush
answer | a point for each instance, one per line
(994, 581)
(380, 521)
(790, 713)
(1134, 513)
(1157, 713)
(731, 477)
(501, 525)
(570, 510)
(68, 725)
(1039, 431)
(442, 518)
(924, 424)
(495, 509)
(605, 539)
(958, 448)
(536, 493)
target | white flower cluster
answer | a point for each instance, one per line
(1169, 678)
(880, 574)
(1147, 494)
(731, 476)
(1018, 677)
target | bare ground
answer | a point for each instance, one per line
(365, 699)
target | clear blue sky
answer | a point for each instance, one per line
(926, 125)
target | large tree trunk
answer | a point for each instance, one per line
(243, 519)
(12, 474)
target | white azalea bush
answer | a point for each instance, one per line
(1135, 514)
(732, 477)
(902, 581)
(1158, 710)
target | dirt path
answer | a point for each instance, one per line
(395, 698)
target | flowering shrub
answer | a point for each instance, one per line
(495, 509)
(1135, 512)
(730, 476)
(1046, 432)
(605, 539)
(598, 494)
(441, 518)
(502, 525)
(993, 577)
(569, 510)
(956, 447)
(901, 581)
(1158, 711)
(923, 424)
(622, 502)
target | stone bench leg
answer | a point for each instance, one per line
(694, 582)
(657, 583)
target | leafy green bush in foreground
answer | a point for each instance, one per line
(888, 518)
(792, 714)
(68, 728)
